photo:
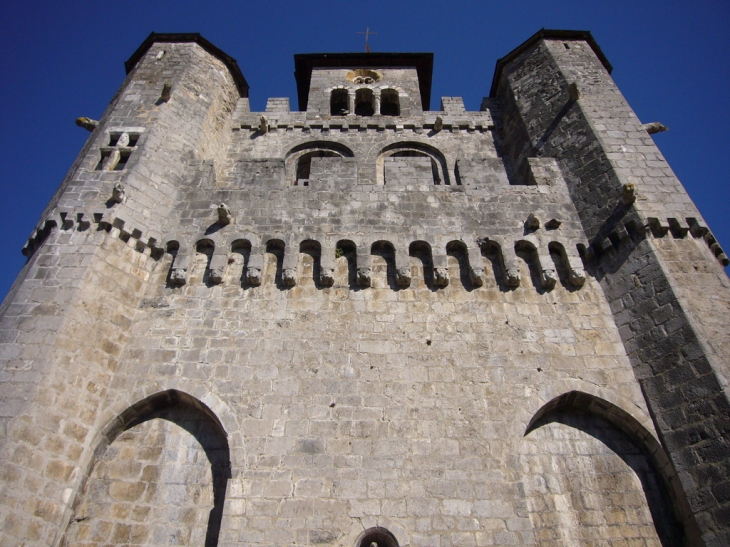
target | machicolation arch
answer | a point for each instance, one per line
(210, 260)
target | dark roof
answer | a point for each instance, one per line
(305, 62)
(229, 61)
(547, 34)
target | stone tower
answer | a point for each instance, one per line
(365, 322)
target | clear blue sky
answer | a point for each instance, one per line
(61, 60)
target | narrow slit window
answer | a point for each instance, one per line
(304, 167)
(122, 163)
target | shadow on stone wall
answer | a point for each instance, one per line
(603, 496)
(160, 477)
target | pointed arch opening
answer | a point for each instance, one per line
(158, 476)
(615, 468)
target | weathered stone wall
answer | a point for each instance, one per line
(68, 316)
(409, 172)
(66, 328)
(576, 456)
(404, 409)
(406, 342)
(561, 96)
(160, 482)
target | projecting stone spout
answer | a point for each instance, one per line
(403, 277)
(224, 215)
(289, 277)
(87, 123)
(655, 127)
(441, 277)
(364, 277)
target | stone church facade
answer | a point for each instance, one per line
(365, 323)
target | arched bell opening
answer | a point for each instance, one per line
(339, 103)
(364, 102)
(389, 103)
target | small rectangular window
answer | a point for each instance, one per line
(123, 158)
(104, 155)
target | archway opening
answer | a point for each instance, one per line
(364, 102)
(377, 537)
(158, 476)
(418, 154)
(389, 103)
(304, 165)
(339, 103)
(411, 163)
(609, 467)
(298, 162)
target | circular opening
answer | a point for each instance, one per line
(377, 537)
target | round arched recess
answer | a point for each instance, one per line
(339, 102)
(376, 537)
(414, 149)
(364, 102)
(389, 102)
(298, 160)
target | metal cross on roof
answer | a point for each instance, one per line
(367, 34)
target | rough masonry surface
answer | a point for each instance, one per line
(366, 323)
